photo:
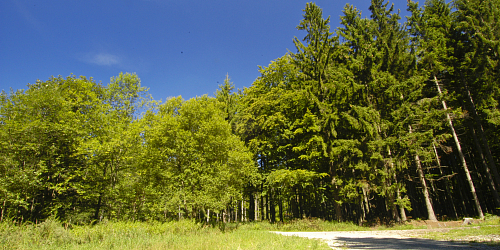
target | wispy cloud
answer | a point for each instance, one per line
(113, 60)
(30, 19)
(102, 59)
(105, 59)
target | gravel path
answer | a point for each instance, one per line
(386, 239)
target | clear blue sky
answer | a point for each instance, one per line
(182, 47)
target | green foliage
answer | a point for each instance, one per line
(192, 157)
(43, 131)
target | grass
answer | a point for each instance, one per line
(187, 234)
(400, 227)
(304, 225)
(487, 231)
(479, 234)
(142, 235)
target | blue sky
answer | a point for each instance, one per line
(176, 47)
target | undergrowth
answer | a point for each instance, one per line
(304, 225)
(184, 234)
(189, 234)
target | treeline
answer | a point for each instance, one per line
(77, 150)
(381, 119)
(378, 120)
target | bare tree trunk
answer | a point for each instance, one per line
(428, 204)
(366, 201)
(179, 212)
(280, 207)
(252, 206)
(430, 211)
(224, 216)
(487, 170)
(461, 155)
(338, 208)
(262, 215)
(272, 206)
(336, 198)
(242, 210)
(3, 211)
(266, 206)
(401, 208)
(402, 212)
(447, 185)
(256, 201)
(236, 212)
(96, 214)
(362, 213)
(397, 195)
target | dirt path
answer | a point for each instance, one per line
(386, 239)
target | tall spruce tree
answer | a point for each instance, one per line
(433, 38)
(477, 69)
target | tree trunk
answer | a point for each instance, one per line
(272, 207)
(490, 181)
(257, 206)
(402, 212)
(461, 155)
(3, 211)
(446, 182)
(179, 212)
(224, 215)
(430, 211)
(262, 215)
(300, 203)
(242, 210)
(337, 207)
(336, 198)
(395, 195)
(428, 204)
(267, 207)
(362, 212)
(294, 204)
(366, 201)
(401, 208)
(96, 214)
(251, 207)
(236, 212)
(280, 207)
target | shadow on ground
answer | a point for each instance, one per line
(406, 243)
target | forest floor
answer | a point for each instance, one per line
(436, 235)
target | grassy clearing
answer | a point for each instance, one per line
(141, 235)
(188, 234)
(487, 231)
(479, 234)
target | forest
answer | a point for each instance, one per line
(383, 119)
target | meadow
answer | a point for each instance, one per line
(189, 234)
(185, 234)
